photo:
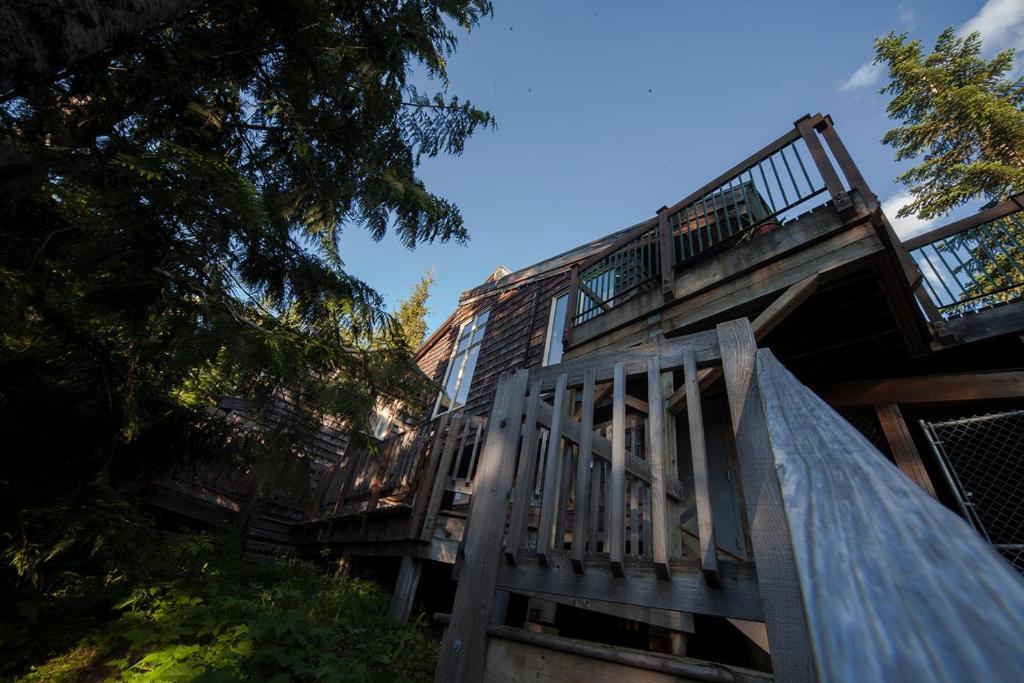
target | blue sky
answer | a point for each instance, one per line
(608, 110)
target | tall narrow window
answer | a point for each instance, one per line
(460, 370)
(556, 325)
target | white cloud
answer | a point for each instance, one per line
(1000, 23)
(905, 227)
(866, 76)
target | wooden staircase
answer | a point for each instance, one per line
(857, 574)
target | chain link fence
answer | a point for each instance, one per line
(983, 459)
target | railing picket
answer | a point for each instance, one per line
(767, 188)
(475, 452)
(725, 214)
(564, 494)
(785, 162)
(437, 491)
(800, 160)
(647, 521)
(701, 474)
(594, 503)
(552, 481)
(541, 463)
(617, 490)
(523, 485)
(634, 516)
(655, 455)
(778, 181)
(584, 462)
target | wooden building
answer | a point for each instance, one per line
(753, 436)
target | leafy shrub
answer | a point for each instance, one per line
(184, 607)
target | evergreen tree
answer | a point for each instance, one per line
(172, 211)
(965, 117)
(412, 312)
(960, 114)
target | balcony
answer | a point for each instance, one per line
(973, 273)
(804, 176)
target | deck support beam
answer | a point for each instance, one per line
(405, 589)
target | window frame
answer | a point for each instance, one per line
(550, 329)
(474, 327)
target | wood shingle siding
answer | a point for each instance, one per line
(516, 332)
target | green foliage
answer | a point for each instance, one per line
(188, 608)
(412, 312)
(988, 258)
(172, 213)
(960, 114)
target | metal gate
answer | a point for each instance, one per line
(983, 461)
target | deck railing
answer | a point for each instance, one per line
(860, 574)
(420, 468)
(974, 263)
(760, 194)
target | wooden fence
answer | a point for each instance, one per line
(860, 575)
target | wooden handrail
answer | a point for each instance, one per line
(1011, 205)
(931, 600)
(625, 239)
(762, 153)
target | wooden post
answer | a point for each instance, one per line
(584, 464)
(777, 577)
(426, 475)
(523, 487)
(616, 485)
(932, 594)
(656, 456)
(405, 589)
(665, 247)
(464, 648)
(570, 306)
(901, 443)
(348, 474)
(764, 323)
(821, 160)
(674, 509)
(701, 472)
(846, 162)
(552, 471)
(437, 490)
(387, 457)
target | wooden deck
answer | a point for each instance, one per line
(597, 486)
(832, 612)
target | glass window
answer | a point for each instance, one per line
(556, 326)
(460, 370)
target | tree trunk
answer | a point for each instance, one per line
(41, 38)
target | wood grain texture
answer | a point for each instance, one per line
(515, 655)
(615, 495)
(427, 475)
(584, 465)
(930, 601)
(441, 477)
(739, 597)
(552, 476)
(975, 386)
(665, 618)
(405, 589)
(701, 473)
(656, 455)
(769, 530)
(901, 444)
(465, 642)
(523, 487)
(703, 344)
